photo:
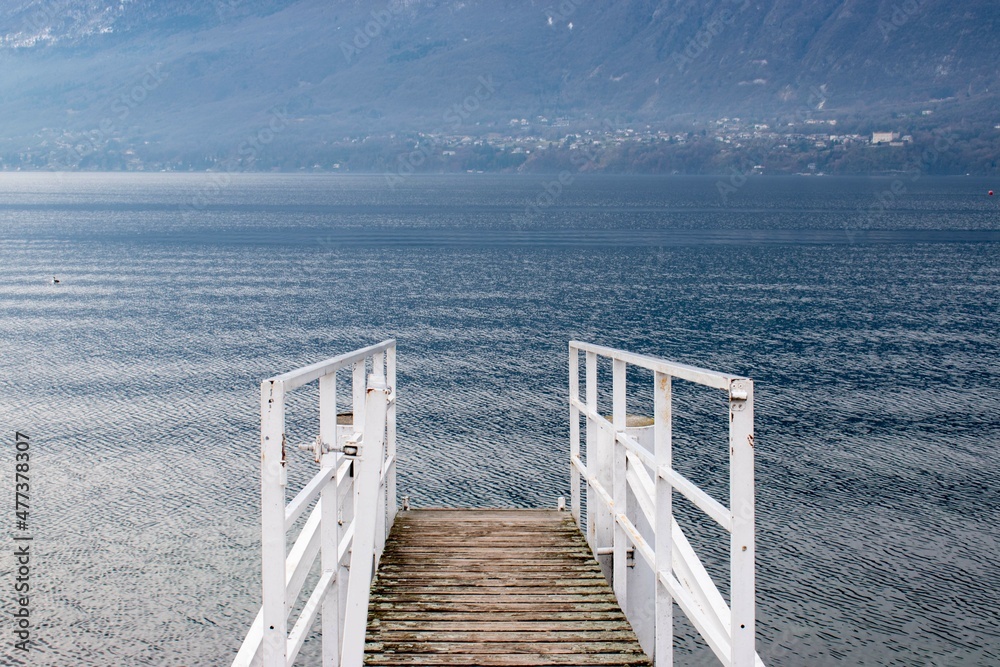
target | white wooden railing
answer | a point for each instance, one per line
(354, 505)
(629, 491)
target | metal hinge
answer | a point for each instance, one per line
(738, 395)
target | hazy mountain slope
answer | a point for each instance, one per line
(189, 74)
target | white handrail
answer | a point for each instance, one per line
(701, 376)
(629, 508)
(302, 376)
(351, 513)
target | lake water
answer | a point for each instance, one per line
(867, 319)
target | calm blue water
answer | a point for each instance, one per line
(870, 329)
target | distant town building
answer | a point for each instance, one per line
(884, 137)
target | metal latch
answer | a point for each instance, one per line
(351, 448)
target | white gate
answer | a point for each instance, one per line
(628, 507)
(354, 498)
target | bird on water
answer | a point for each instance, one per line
(55, 281)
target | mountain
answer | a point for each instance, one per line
(181, 77)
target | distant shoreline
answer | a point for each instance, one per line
(505, 174)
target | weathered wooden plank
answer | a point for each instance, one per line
(494, 540)
(543, 647)
(499, 523)
(471, 578)
(555, 564)
(498, 520)
(522, 542)
(508, 558)
(511, 516)
(492, 599)
(523, 568)
(530, 577)
(488, 606)
(510, 551)
(500, 616)
(495, 637)
(446, 526)
(487, 529)
(485, 626)
(454, 579)
(470, 565)
(494, 587)
(512, 558)
(517, 659)
(539, 539)
(478, 553)
(540, 530)
(484, 532)
(511, 586)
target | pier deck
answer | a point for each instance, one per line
(494, 587)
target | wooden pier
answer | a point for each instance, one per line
(494, 587)
(489, 586)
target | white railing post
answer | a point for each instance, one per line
(347, 518)
(330, 527)
(382, 507)
(390, 433)
(272, 496)
(595, 537)
(574, 434)
(621, 541)
(368, 470)
(663, 652)
(359, 393)
(741, 503)
(358, 396)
